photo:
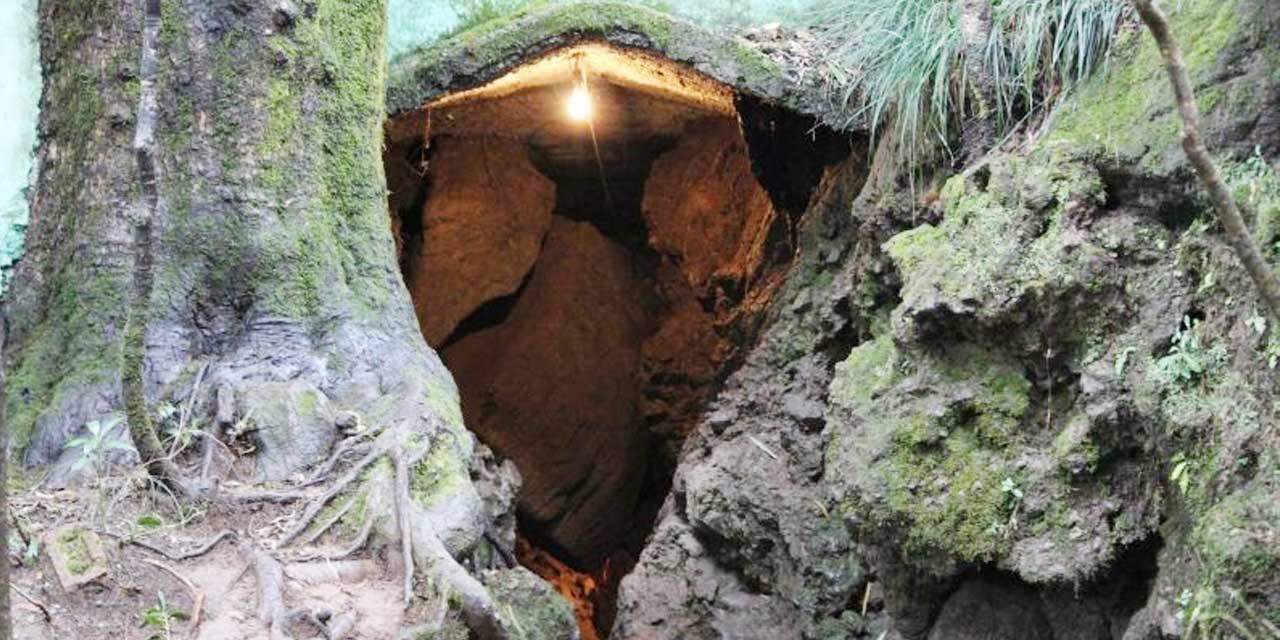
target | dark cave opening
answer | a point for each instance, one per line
(990, 602)
(591, 285)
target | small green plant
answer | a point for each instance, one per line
(1186, 603)
(1272, 351)
(1258, 324)
(1122, 360)
(159, 617)
(150, 521)
(177, 432)
(28, 551)
(146, 524)
(1208, 283)
(1250, 179)
(1218, 611)
(1012, 505)
(95, 445)
(1183, 470)
(1185, 361)
(1012, 494)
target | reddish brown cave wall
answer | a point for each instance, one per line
(483, 223)
(556, 388)
(711, 223)
(583, 355)
(587, 332)
(706, 211)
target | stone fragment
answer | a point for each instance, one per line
(77, 556)
(807, 411)
(720, 419)
(348, 422)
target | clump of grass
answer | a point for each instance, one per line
(900, 63)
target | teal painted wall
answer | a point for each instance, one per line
(19, 107)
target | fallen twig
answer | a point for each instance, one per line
(44, 611)
(175, 557)
(761, 446)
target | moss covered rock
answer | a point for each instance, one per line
(977, 428)
(1077, 363)
(531, 607)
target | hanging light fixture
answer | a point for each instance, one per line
(580, 106)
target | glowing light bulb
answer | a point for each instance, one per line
(580, 107)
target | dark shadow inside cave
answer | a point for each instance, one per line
(590, 283)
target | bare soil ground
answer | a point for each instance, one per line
(216, 596)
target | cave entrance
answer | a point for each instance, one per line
(589, 282)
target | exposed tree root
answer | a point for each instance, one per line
(271, 610)
(177, 557)
(386, 500)
(356, 445)
(508, 560)
(343, 485)
(340, 571)
(334, 519)
(341, 626)
(402, 521)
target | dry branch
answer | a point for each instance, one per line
(44, 611)
(175, 557)
(1223, 204)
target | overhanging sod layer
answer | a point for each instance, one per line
(491, 50)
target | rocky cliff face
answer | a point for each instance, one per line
(1058, 416)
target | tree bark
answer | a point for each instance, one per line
(1224, 205)
(211, 198)
(6, 620)
(248, 231)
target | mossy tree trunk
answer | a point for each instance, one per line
(6, 623)
(270, 250)
(210, 221)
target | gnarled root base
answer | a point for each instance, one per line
(379, 480)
